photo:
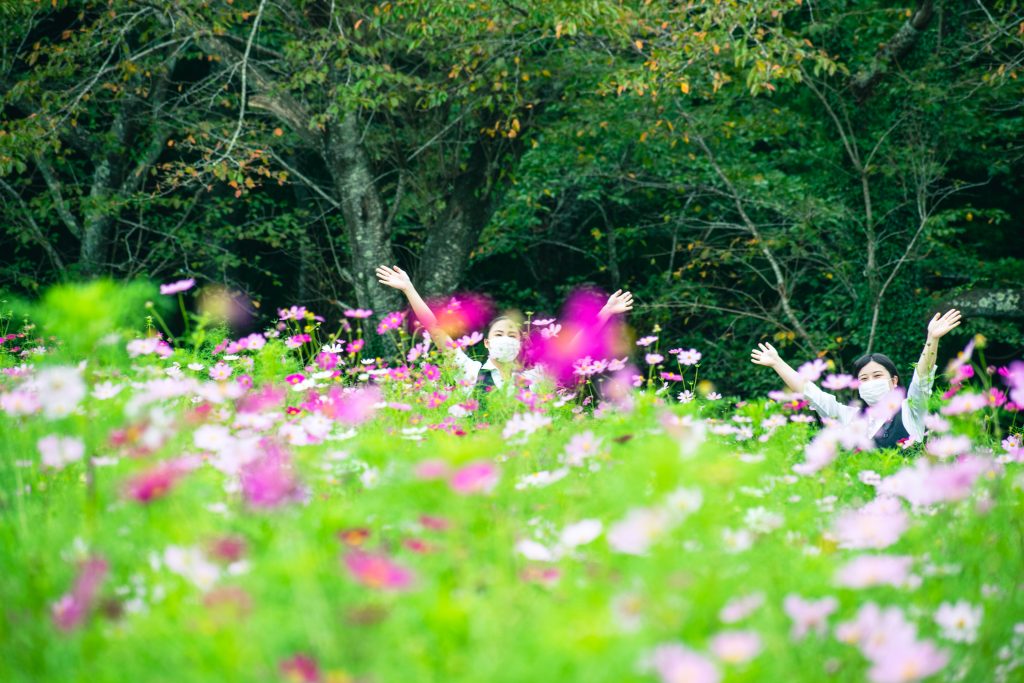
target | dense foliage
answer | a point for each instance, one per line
(824, 175)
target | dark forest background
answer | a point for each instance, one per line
(820, 174)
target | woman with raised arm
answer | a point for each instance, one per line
(877, 376)
(503, 340)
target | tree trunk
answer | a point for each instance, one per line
(362, 210)
(95, 228)
(452, 238)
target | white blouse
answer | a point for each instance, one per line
(470, 370)
(913, 409)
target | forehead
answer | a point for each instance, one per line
(504, 327)
(871, 368)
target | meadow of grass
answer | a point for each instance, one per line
(281, 510)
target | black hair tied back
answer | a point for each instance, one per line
(879, 358)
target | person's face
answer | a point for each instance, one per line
(502, 328)
(875, 370)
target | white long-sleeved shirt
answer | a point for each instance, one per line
(470, 370)
(913, 409)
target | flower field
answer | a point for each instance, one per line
(281, 507)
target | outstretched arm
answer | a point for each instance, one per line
(938, 327)
(396, 278)
(766, 355)
(619, 302)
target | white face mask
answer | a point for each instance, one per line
(504, 349)
(872, 391)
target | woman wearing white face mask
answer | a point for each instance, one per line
(503, 340)
(877, 376)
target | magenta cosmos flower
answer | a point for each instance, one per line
(477, 477)
(378, 571)
(358, 313)
(155, 482)
(178, 287)
(809, 615)
(72, 609)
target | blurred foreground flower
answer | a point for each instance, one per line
(72, 609)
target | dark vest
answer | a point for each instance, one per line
(484, 384)
(892, 432)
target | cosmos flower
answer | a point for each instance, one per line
(377, 571)
(809, 615)
(178, 287)
(72, 609)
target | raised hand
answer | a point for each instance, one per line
(766, 355)
(394, 277)
(619, 302)
(939, 326)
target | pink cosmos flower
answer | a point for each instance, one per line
(462, 312)
(924, 484)
(19, 402)
(437, 398)
(887, 406)
(877, 524)
(677, 664)
(351, 406)
(300, 668)
(996, 397)
(297, 340)
(378, 571)
(391, 321)
(179, 286)
(427, 470)
(741, 608)
(959, 621)
(358, 313)
(149, 346)
(875, 630)
(221, 371)
(812, 370)
(295, 378)
(355, 346)
(948, 446)
(875, 570)
(430, 372)
(543, 322)
(72, 609)
(582, 335)
(434, 523)
(653, 358)
(477, 477)
(267, 480)
(550, 331)
(689, 357)
(581, 447)
(809, 615)
(469, 340)
(292, 313)
(839, 382)
(1014, 378)
(646, 341)
(155, 482)
(736, 647)
(964, 403)
(326, 360)
(908, 663)
(640, 528)
(59, 451)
